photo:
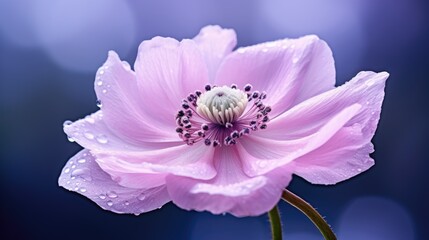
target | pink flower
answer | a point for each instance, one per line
(217, 130)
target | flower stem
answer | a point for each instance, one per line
(276, 223)
(310, 212)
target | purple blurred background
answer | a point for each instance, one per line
(50, 51)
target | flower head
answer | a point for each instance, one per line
(220, 130)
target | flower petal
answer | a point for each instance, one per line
(122, 104)
(337, 125)
(167, 72)
(93, 133)
(129, 168)
(231, 190)
(290, 70)
(341, 158)
(81, 174)
(263, 155)
(215, 43)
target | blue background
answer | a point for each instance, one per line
(50, 51)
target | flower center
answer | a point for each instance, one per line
(221, 115)
(222, 105)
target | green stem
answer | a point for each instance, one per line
(311, 213)
(276, 223)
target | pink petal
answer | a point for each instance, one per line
(81, 174)
(342, 152)
(290, 70)
(167, 72)
(93, 133)
(231, 191)
(215, 43)
(341, 158)
(122, 105)
(263, 155)
(130, 168)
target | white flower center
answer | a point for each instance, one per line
(222, 105)
(221, 115)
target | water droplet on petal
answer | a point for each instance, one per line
(89, 135)
(126, 65)
(112, 194)
(126, 203)
(104, 91)
(102, 196)
(67, 170)
(67, 123)
(102, 139)
(241, 50)
(109, 203)
(101, 72)
(141, 197)
(359, 170)
(82, 189)
(262, 164)
(83, 173)
(90, 119)
(82, 160)
(99, 104)
(99, 83)
(71, 139)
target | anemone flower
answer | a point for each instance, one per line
(212, 129)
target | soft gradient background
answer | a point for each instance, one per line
(50, 51)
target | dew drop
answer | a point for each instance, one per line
(89, 135)
(141, 197)
(126, 203)
(99, 83)
(67, 123)
(82, 189)
(126, 65)
(109, 203)
(82, 160)
(67, 170)
(99, 104)
(262, 164)
(271, 44)
(241, 50)
(102, 139)
(359, 170)
(89, 119)
(112, 194)
(102, 196)
(73, 166)
(104, 91)
(83, 173)
(71, 139)
(101, 72)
